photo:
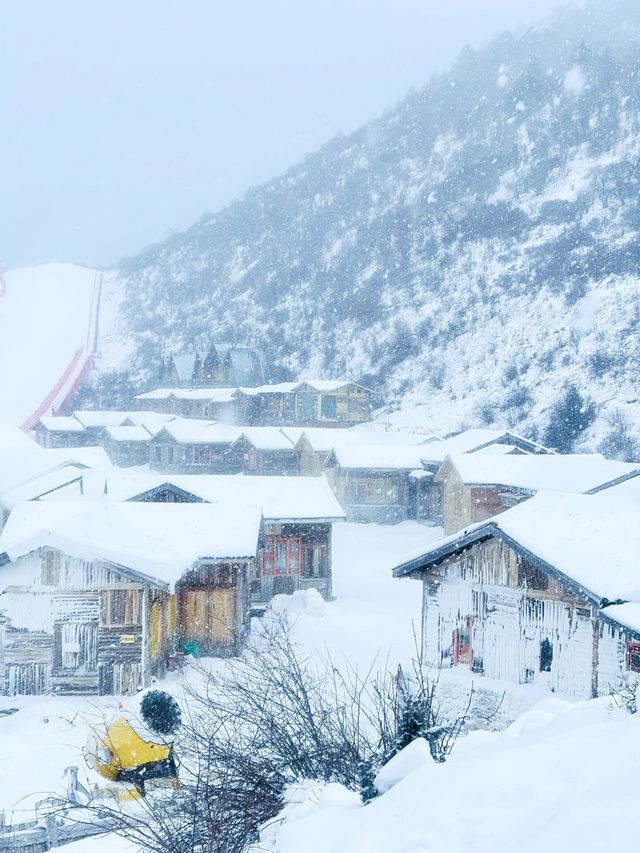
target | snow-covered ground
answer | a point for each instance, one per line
(562, 778)
(46, 317)
(524, 788)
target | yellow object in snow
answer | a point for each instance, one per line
(121, 751)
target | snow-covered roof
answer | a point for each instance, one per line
(159, 541)
(324, 439)
(380, 457)
(156, 394)
(89, 457)
(151, 421)
(267, 438)
(281, 498)
(627, 614)
(277, 388)
(60, 423)
(128, 433)
(577, 472)
(100, 419)
(13, 438)
(42, 485)
(593, 540)
(200, 432)
(327, 385)
(214, 395)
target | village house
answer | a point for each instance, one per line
(195, 447)
(59, 431)
(478, 485)
(201, 447)
(126, 445)
(373, 482)
(219, 404)
(546, 593)
(298, 512)
(309, 402)
(266, 450)
(223, 364)
(99, 597)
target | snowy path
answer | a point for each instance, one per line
(48, 318)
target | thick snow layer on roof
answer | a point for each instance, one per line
(201, 432)
(294, 498)
(564, 473)
(627, 614)
(90, 457)
(267, 438)
(45, 319)
(151, 421)
(12, 438)
(324, 439)
(592, 539)
(60, 423)
(160, 541)
(278, 388)
(378, 457)
(326, 385)
(156, 394)
(128, 433)
(215, 395)
(100, 419)
(42, 485)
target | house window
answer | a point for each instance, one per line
(531, 577)
(314, 558)
(281, 557)
(307, 406)
(372, 490)
(202, 454)
(122, 607)
(328, 407)
(633, 657)
(50, 568)
(546, 655)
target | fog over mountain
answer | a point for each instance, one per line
(473, 252)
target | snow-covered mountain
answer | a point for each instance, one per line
(473, 253)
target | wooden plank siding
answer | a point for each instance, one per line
(517, 623)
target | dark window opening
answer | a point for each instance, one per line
(328, 407)
(532, 578)
(546, 656)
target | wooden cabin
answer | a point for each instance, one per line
(299, 513)
(373, 482)
(222, 364)
(196, 448)
(217, 404)
(60, 431)
(126, 445)
(98, 597)
(266, 451)
(536, 595)
(476, 486)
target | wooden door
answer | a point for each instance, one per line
(207, 617)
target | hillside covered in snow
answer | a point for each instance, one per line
(471, 253)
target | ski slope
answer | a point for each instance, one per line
(48, 331)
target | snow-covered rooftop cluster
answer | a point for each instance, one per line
(160, 541)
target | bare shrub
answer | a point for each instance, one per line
(255, 725)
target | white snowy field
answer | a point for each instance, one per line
(559, 778)
(46, 316)
(563, 778)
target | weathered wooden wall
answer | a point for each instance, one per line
(508, 609)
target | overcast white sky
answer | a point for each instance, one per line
(124, 120)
